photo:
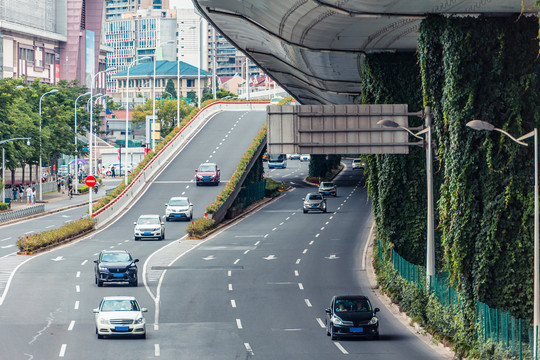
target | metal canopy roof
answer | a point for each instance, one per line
(314, 48)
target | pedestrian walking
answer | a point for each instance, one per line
(21, 193)
(63, 185)
(113, 173)
(28, 194)
(58, 184)
(34, 192)
(15, 192)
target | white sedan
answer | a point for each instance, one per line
(149, 227)
(120, 315)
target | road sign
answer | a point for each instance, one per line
(90, 181)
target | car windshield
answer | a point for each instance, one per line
(120, 305)
(314, 197)
(148, 221)
(360, 305)
(327, 184)
(178, 202)
(115, 257)
(207, 168)
(356, 161)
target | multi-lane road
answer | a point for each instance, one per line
(254, 289)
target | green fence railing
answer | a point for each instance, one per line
(493, 324)
(251, 193)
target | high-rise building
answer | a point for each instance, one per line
(191, 32)
(136, 35)
(51, 39)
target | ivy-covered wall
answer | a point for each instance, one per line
(397, 183)
(487, 69)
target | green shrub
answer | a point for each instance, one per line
(199, 227)
(273, 188)
(4, 206)
(56, 236)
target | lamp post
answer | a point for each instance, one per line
(96, 99)
(483, 125)
(4, 164)
(40, 167)
(430, 248)
(127, 113)
(178, 80)
(200, 64)
(247, 79)
(91, 131)
(154, 97)
(76, 149)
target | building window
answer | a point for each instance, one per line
(190, 83)
(26, 54)
(49, 59)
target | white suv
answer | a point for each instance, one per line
(357, 164)
(179, 208)
(149, 227)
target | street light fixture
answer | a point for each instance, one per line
(91, 130)
(430, 251)
(40, 167)
(483, 125)
(4, 163)
(127, 113)
(76, 148)
(152, 135)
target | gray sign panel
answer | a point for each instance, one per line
(336, 129)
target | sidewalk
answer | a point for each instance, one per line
(57, 200)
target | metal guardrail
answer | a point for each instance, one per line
(10, 215)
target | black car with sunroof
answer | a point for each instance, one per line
(351, 316)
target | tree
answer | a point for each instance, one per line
(166, 112)
(192, 95)
(170, 88)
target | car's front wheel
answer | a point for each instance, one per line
(135, 282)
(99, 283)
(98, 335)
(333, 336)
(305, 211)
(136, 238)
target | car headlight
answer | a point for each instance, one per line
(103, 268)
(336, 320)
(103, 321)
(139, 320)
(373, 321)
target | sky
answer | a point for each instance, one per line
(181, 4)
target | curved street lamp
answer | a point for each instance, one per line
(178, 79)
(40, 169)
(152, 135)
(483, 125)
(430, 248)
(76, 148)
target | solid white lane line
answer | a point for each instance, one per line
(248, 349)
(321, 323)
(300, 286)
(308, 303)
(48, 227)
(364, 255)
(296, 273)
(85, 261)
(77, 288)
(71, 325)
(62, 350)
(157, 352)
(305, 251)
(230, 287)
(239, 323)
(76, 307)
(341, 348)
(233, 303)
(298, 261)
(78, 274)
(236, 262)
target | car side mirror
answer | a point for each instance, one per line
(95, 311)
(376, 310)
(136, 261)
(96, 261)
(144, 309)
(135, 223)
(196, 170)
(328, 311)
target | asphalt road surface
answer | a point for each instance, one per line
(255, 289)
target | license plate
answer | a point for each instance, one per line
(147, 233)
(122, 328)
(314, 207)
(118, 275)
(356, 330)
(326, 192)
(178, 215)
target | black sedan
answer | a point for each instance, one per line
(115, 266)
(351, 316)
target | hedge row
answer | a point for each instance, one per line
(56, 236)
(237, 175)
(199, 227)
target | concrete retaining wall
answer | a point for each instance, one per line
(166, 154)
